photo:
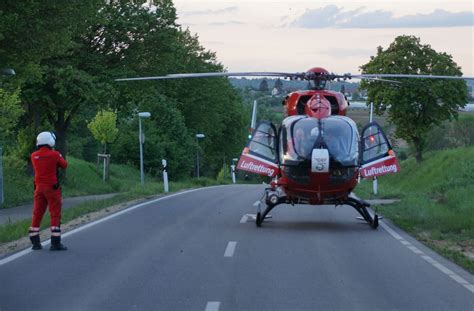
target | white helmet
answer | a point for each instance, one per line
(46, 138)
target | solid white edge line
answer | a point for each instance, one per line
(230, 249)
(415, 250)
(469, 287)
(213, 306)
(131, 208)
(458, 279)
(392, 233)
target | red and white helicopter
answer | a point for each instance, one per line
(316, 154)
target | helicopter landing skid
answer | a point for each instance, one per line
(361, 207)
(261, 217)
(271, 198)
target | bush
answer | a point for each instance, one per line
(17, 181)
(452, 134)
(224, 175)
(402, 155)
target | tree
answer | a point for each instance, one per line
(343, 89)
(104, 127)
(263, 86)
(10, 112)
(279, 85)
(60, 97)
(415, 105)
(36, 29)
(69, 82)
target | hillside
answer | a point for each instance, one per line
(436, 201)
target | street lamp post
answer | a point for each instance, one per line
(141, 139)
(197, 152)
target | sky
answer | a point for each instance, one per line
(293, 36)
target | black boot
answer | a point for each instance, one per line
(56, 244)
(35, 240)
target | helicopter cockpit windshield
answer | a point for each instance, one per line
(302, 134)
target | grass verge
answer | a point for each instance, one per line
(83, 179)
(436, 203)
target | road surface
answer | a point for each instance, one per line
(199, 250)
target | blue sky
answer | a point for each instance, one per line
(268, 35)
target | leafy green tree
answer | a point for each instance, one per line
(166, 137)
(66, 84)
(33, 30)
(10, 112)
(263, 86)
(415, 105)
(104, 127)
(343, 89)
(279, 85)
(59, 98)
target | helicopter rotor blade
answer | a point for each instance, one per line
(295, 76)
(212, 74)
(383, 80)
(395, 75)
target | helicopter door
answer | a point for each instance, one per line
(376, 157)
(259, 156)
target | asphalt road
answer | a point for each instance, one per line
(199, 251)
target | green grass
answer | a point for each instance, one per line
(83, 179)
(437, 200)
(15, 230)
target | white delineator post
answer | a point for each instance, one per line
(374, 182)
(165, 175)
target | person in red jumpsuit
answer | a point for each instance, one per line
(46, 163)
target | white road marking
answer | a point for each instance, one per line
(392, 233)
(244, 219)
(429, 259)
(230, 249)
(213, 306)
(415, 250)
(253, 216)
(443, 269)
(469, 287)
(27, 251)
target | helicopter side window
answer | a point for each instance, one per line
(263, 142)
(375, 144)
(288, 145)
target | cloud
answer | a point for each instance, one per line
(229, 23)
(332, 16)
(230, 9)
(213, 43)
(339, 52)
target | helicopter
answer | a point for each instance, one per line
(317, 154)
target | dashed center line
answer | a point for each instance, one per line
(213, 306)
(229, 251)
